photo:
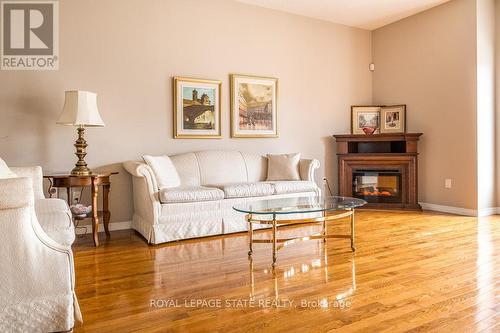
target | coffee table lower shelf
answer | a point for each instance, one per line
(279, 243)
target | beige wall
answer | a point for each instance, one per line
(428, 61)
(127, 52)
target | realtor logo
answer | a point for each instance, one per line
(30, 35)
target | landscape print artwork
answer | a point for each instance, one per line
(196, 108)
(253, 112)
(368, 119)
(365, 117)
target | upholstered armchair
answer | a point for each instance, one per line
(37, 277)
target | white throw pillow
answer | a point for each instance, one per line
(283, 167)
(164, 170)
(5, 172)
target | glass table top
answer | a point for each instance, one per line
(298, 205)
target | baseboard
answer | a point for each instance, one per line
(488, 211)
(113, 226)
(460, 211)
(449, 209)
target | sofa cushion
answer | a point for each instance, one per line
(190, 194)
(256, 167)
(164, 170)
(55, 219)
(221, 167)
(245, 190)
(285, 187)
(283, 167)
(187, 168)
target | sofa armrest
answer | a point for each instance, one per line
(147, 205)
(36, 175)
(139, 169)
(142, 170)
(307, 169)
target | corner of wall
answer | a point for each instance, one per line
(486, 108)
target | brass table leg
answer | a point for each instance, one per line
(274, 240)
(353, 248)
(250, 234)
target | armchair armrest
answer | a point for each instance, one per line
(16, 193)
(36, 175)
(307, 169)
(38, 274)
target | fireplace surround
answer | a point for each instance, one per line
(381, 169)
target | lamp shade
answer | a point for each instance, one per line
(80, 109)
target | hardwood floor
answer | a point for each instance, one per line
(412, 272)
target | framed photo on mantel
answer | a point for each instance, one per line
(365, 118)
(393, 119)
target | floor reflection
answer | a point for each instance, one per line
(300, 272)
(326, 270)
(484, 273)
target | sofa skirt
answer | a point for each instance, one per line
(200, 219)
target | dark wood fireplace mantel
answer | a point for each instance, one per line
(380, 168)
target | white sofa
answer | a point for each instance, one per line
(37, 277)
(211, 183)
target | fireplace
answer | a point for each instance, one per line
(379, 168)
(377, 185)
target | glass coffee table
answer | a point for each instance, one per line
(283, 212)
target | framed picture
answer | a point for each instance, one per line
(365, 117)
(254, 106)
(393, 119)
(197, 108)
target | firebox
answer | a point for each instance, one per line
(377, 186)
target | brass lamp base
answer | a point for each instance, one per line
(81, 168)
(81, 171)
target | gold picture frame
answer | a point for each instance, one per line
(197, 108)
(260, 93)
(365, 113)
(393, 119)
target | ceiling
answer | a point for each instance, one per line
(365, 14)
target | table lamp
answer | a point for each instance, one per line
(80, 110)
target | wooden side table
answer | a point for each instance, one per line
(92, 181)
